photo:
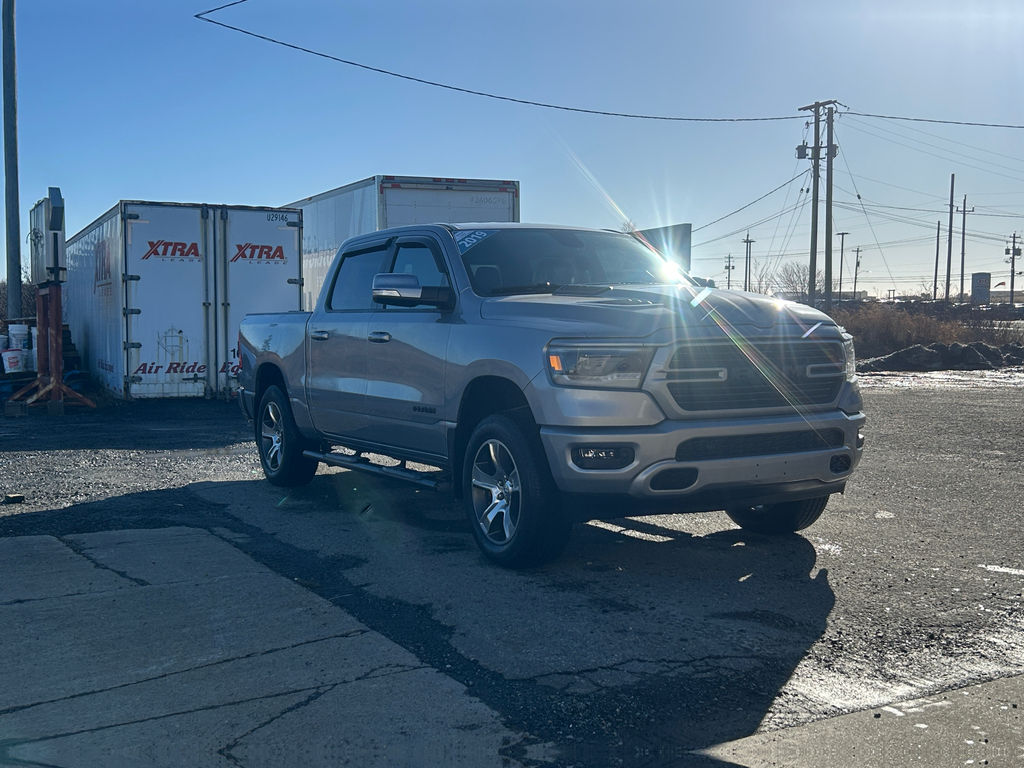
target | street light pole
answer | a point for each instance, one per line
(842, 246)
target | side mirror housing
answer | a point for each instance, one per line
(401, 290)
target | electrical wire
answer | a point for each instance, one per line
(933, 154)
(866, 217)
(743, 208)
(485, 94)
(931, 120)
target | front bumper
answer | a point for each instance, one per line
(695, 483)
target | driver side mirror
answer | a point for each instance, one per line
(402, 290)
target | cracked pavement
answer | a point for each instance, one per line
(164, 605)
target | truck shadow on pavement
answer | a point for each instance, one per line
(642, 645)
(140, 425)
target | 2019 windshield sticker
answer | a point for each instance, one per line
(466, 239)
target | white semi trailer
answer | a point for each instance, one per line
(155, 292)
(380, 202)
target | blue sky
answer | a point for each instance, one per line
(121, 99)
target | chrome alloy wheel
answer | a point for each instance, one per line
(272, 435)
(497, 493)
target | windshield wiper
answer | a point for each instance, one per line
(581, 289)
(511, 290)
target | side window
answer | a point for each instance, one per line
(353, 285)
(420, 260)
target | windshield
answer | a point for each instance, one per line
(501, 262)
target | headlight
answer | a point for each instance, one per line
(618, 367)
(851, 357)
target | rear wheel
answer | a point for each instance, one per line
(509, 497)
(785, 517)
(280, 444)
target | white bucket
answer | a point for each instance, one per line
(14, 360)
(18, 336)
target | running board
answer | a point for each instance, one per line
(362, 464)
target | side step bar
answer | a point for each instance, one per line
(435, 481)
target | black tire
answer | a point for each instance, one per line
(785, 517)
(279, 442)
(509, 497)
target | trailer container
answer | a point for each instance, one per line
(379, 202)
(155, 291)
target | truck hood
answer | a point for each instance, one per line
(638, 311)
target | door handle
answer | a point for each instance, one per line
(318, 335)
(379, 337)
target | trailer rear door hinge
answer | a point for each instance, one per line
(131, 311)
(132, 380)
(295, 224)
(132, 345)
(127, 278)
(296, 281)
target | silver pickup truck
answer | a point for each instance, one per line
(548, 375)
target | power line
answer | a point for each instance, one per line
(743, 208)
(946, 157)
(447, 86)
(931, 120)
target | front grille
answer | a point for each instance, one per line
(745, 375)
(771, 444)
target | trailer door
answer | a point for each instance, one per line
(165, 312)
(259, 269)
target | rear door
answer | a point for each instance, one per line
(336, 345)
(258, 269)
(166, 311)
(406, 352)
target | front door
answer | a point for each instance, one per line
(406, 352)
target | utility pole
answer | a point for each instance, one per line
(842, 246)
(856, 269)
(963, 239)
(949, 235)
(729, 267)
(1013, 252)
(12, 205)
(815, 164)
(830, 153)
(938, 240)
(746, 271)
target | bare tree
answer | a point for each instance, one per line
(762, 277)
(28, 300)
(792, 280)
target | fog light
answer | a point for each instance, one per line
(860, 440)
(840, 464)
(603, 456)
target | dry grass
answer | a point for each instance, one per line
(879, 329)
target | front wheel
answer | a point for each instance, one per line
(785, 517)
(509, 497)
(280, 444)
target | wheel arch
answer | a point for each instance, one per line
(484, 396)
(267, 375)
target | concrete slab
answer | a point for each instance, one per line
(39, 567)
(165, 555)
(978, 725)
(200, 655)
